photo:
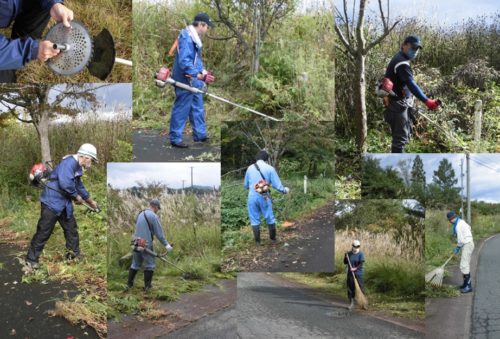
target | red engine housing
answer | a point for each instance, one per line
(163, 74)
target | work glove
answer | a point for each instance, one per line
(432, 104)
(286, 190)
(78, 200)
(92, 203)
(169, 248)
(457, 249)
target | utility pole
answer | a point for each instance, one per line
(462, 188)
(467, 157)
(191, 176)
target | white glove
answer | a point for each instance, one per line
(286, 191)
(169, 248)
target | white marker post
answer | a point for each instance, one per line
(305, 184)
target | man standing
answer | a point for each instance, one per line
(188, 69)
(258, 180)
(465, 243)
(64, 185)
(354, 259)
(146, 228)
(399, 110)
(30, 18)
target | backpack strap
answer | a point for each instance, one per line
(149, 225)
(258, 169)
(175, 46)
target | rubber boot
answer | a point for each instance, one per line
(131, 277)
(464, 283)
(468, 284)
(272, 233)
(351, 304)
(256, 234)
(148, 279)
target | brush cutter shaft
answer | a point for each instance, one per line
(199, 91)
(147, 250)
(123, 62)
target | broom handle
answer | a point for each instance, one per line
(349, 262)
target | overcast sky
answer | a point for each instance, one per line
(485, 177)
(123, 175)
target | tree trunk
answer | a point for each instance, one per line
(42, 127)
(360, 104)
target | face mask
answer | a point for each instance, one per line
(355, 250)
(412, 53)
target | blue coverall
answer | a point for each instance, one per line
(66, 177)
(187, 66)
(257, 203)
(16, 52)
(143, 230)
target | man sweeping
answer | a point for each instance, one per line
(29, 18)
(465, 244)
(399, 109)
(146, 228)
(259, 179)
(188, 69)
(64, 186)
(354, 260)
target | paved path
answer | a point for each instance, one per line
(486, 304)
(268, 307)
(151, 145)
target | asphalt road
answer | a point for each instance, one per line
(24, 307)
(221, 325)
(151, 145)
(268, 308)
(486, 304)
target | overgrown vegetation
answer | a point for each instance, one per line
(20, 208)
(115, 15)
(292, 80)
(295, 150)
(191, 222)
(391, 234)
(459, 65)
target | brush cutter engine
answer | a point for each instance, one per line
(262, 187)
(139, 244)
(39, 174)
(384, 88)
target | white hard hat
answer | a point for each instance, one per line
(88, 150)
(356, 243)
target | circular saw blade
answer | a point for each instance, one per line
(78, 56)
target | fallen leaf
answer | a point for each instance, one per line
(15, 282)
(29, 303)
(13, 332)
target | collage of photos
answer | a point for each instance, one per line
(266, 169)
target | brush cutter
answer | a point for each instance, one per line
(435, 277)
(162, 78)
(359, 295)
(79, 50)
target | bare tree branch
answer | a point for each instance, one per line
(380, 38)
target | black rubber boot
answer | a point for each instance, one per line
(272, 233)
(468, 284)
(464, 283)
(148, 279)
(131, 277)
(256, 234)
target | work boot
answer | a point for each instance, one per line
(32, 265)
(148, 278)
(256, 235)
(131, 277)
(468, 284)
(272, 233)
(351, 304)
(464, 283)
(179, 145)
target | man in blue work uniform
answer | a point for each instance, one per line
(30, 17)
(357, 259)
(147, 227)
(400, 110)
(188, 69)
(260, 203)
(64, 186)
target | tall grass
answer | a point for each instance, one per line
(191, 223)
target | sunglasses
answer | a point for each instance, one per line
(356, 246)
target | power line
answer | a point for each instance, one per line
(485, 165)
